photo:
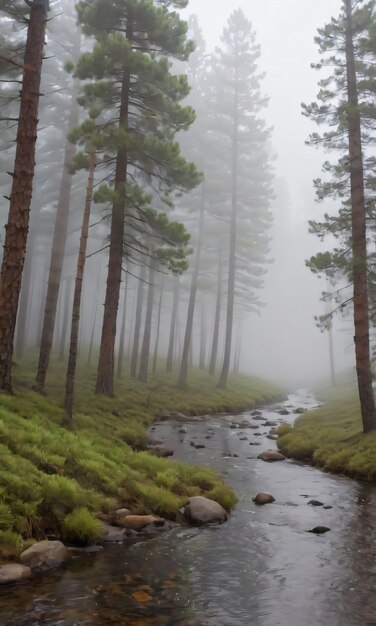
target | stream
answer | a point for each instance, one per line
(261, 568)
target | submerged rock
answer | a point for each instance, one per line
(44, 555)
(14, 573)
(263, 498)
(271, 456)
(201, 510)
(183, 430)
(315, 503)
(283, 412)
(256, 412)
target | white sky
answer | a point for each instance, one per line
(284, 341)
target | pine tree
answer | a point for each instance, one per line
(345, 106)
(132, 81)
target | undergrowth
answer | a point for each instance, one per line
(55, 480)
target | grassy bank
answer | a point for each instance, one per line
(331, 437)
(99, 465)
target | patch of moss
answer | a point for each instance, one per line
(81, 527)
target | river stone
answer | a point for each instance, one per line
(112, 534)
(263, 498)
(299, 410)
(44, 555)
(271, 456)
(183, 430)
(14, 573)
(283, 412)
(319, 530)
(201, 510)
(315, 503)
(256, 412)
(118, 515)
(138, 522)
(270, 423)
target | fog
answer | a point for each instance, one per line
(283, 342)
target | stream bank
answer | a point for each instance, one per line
(262, 567)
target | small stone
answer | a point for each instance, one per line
(201, 510)
(283, 412)
(270, 423)
(183, 430)
(299, 410)
(198, 446)
(271, 456)
(256, 413)
(327, 507)
(14, 573)
(315, 503)
(319, 530)
(263, 498)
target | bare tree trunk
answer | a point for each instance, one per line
(81, 261)
(106, 364)
(23, 309)
(359, 240)
(145, 350)
(137, 326)
(232, 256)
(22, 187)
(41, 307)
(122, 334)
(64, 328)
(174, 312)
(155, 359)
(214, 348)
(183, 374)
(202, 361)
(58, 245)
(96, 300)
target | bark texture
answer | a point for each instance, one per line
(359, 239)
(20, 198)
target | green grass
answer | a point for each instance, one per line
(331, 436)
(100, 463)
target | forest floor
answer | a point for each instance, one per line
(331, 436)
(100, 464)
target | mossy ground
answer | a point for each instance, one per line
(100, 461)
(331, 436)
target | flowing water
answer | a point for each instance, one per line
(261, 568)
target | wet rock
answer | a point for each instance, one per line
(315, 503)
(118, 516)
(112, 534)
(87, 550)
(243, 439)
(44, 555)
(160, 451)
(258, 434)
(198, 446)
(319, 530)
(299, 410)
(255, 413)
(233, 426)
(258, 418)
(139, 522)
(327, 507)
(14, 573)
(183, 430)
(283, 412)
(270, 423)
(201, 511)
(154, 442)
(273, 437)
(271, 456)
(254, 426)
(263, 498)
(273, 431)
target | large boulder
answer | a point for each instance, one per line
(13, 573)
(44, 555)
(271, 456)
(201, 510)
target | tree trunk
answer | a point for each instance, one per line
(183, 374)
(232, 256)
(23, 309)
(22, 187)
(58, 246)
(73, 345)
(106, 363)
(214, 348)
(359, 240)
(145, 350)
(64, 328)
(174, 312)
(96, 300)
(122, 334)
(137, 326)
(202, 362)
(155, 359)
(43, 294)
